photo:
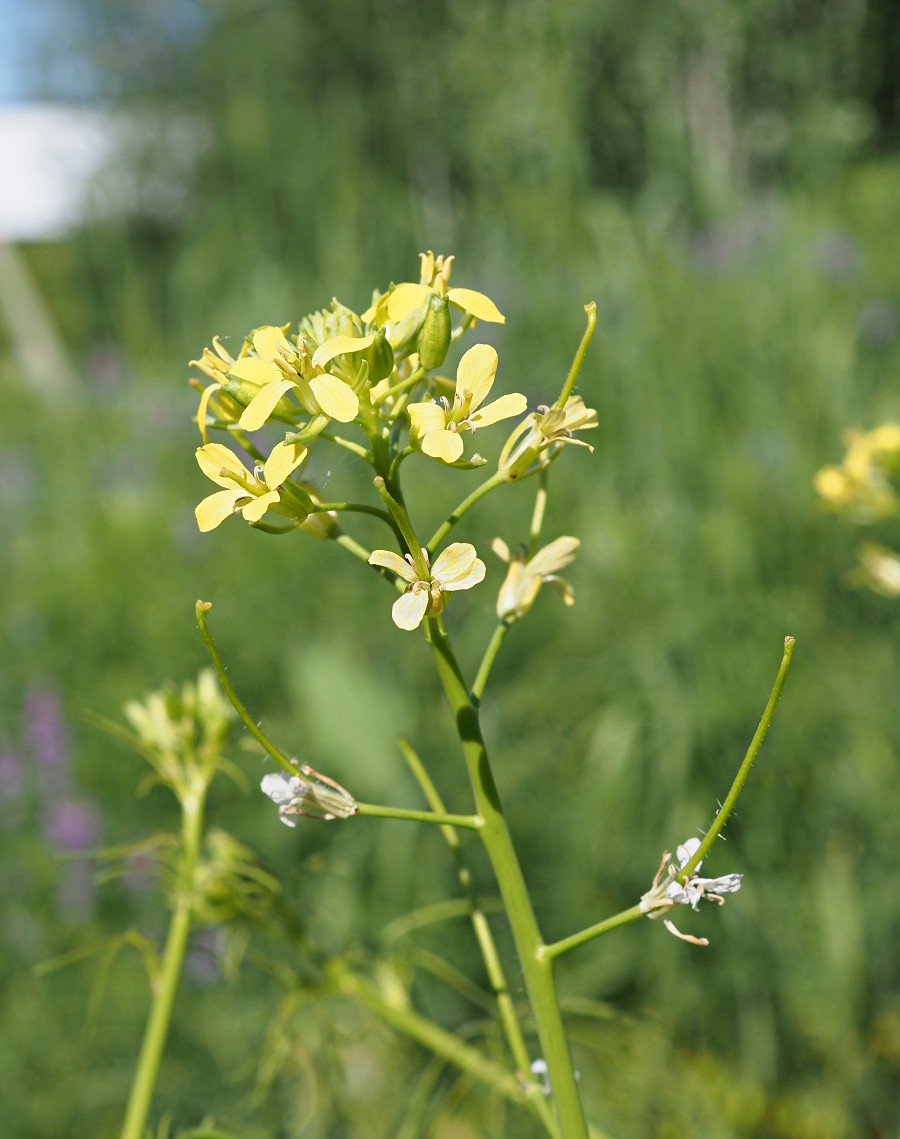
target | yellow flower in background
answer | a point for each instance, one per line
(407, 297)
(879, 569)
(457, 567)
(861, 484)
(526, 575)
(437, 426)
(278, 367)
(250, 493)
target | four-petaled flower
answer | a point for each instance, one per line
(407, 297)
(658, 901)
(457, 567)
(251, 493)
(526, 575)
(278, 367)
(539, 436)
(437, 426)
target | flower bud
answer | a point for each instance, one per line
(434, 339)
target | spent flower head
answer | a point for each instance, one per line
(307, 793)
(525, 575)
(663, 896)
(536, 441)
(457, 567)
(437, 426)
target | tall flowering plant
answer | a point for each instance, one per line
(372, 385)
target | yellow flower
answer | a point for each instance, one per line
(252, 494)
(458, 567)
(437, 426)
(278, 367)
(862, 484)
(407, 297)
(538, 438)
(526, 575)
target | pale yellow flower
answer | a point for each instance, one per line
(250, 493)
(879, 569)
(457, 567)
(861, 484)
(437, 427)
(535, 441)
(279, 367)
(526, 575)
(407, 297)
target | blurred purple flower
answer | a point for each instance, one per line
(878, 322)
(45, 730)
(72, 825)
(837, 253)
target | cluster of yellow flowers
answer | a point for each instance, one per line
(342, 368)
(862, 489)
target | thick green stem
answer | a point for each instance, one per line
(537, 967)
(166, 982)
(485, 938)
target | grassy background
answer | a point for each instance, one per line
(734, 211)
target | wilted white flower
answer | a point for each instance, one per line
(658, 902)
(316, 797)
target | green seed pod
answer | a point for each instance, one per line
(380, 358)
(434, 339)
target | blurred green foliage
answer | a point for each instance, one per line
(721, 183)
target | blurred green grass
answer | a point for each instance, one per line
(736, 341)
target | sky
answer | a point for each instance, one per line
(22, 25)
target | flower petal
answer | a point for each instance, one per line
(408, 610)
(477, 304)
(405, 299)
(426, 417)
(256, 507)
(214, 457)
(445, 445)
(216, 508)
(271, 343)
(263, 403)
(284, 458)
(503, 408)
(201, 410)
(338, 346)
(476, 372)
(337, 399)
(256, 371)
(458, 567)
(387, 559)
(554, 556)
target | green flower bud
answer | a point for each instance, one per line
(434, 339)
(380, 358)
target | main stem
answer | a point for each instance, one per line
(166, 982)
(537, 967)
